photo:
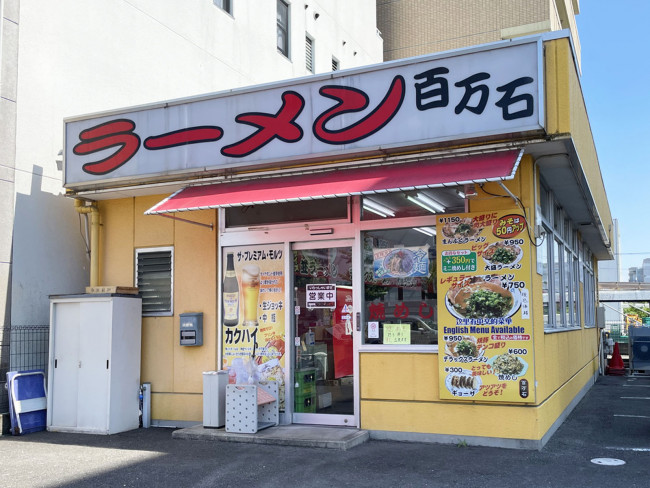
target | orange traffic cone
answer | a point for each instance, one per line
(616, 367)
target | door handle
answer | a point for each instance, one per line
(358, 321)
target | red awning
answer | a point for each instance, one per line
(494, 166)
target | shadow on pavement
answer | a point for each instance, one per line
(612, 421)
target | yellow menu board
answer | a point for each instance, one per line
(485, 336)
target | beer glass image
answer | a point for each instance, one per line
(250, 283)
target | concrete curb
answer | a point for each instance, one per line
(285, 435)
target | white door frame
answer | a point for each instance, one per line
(334, 419)
(342, 233)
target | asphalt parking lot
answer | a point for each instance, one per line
(612, 423)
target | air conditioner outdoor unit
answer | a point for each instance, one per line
(639, 348)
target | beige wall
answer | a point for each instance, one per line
(417, 27)
(174, 371)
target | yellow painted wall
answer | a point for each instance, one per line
(174, 371)
(400, 392)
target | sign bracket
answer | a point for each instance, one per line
(209, 226)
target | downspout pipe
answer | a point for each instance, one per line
(82, 208)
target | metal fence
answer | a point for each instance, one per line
(618, 332)
(4, 367)
(22, 347)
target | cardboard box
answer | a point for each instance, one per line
(122, 290)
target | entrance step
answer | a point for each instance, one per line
(341, 438)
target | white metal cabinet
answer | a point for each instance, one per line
(94, 370)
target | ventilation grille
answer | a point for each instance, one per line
(154, 281)
(309, 54)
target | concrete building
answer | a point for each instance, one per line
(415, 27)
(68, 58)
(640, 274)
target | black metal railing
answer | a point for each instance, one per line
(4, 367)
(22, 347)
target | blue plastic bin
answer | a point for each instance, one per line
(27, 401)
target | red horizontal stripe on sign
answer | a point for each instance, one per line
(191, 135)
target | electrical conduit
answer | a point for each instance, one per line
(91, 209)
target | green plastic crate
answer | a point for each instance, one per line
(304, 403)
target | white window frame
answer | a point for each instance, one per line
(589, 288)
(287, 29)
(562, 239)
(147, 250)
(228, 8)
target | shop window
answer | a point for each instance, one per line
(543, 253)
(563, 264)
(545, 202)
(557, 282)
(589, 290)
(396, 291)
(225, 5)
(576, 290)
(154, 279)
(557, 220)
(283, 27)
(330, 209)
(569, 315)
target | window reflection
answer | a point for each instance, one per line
(400, 286)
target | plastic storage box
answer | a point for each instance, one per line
(214, 398)
(27, 401)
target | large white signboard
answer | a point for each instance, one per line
(463, 95)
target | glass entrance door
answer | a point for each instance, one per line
(324, 376)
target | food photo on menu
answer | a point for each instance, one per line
(481, 297)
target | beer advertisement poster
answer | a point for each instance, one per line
(485, 328)
(252, 313)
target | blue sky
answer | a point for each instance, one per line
(616, 86)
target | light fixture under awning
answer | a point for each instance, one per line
(496, 166)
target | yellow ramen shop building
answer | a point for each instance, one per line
(408, 248)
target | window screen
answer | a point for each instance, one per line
(154, 272)
(309, 54)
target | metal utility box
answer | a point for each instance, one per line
(191, 329)
(639, 338)
(214, 398)
(94, 369)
